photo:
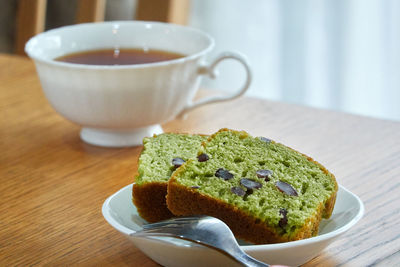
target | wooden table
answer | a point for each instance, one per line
(52, 185)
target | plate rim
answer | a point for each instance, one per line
(106, 211)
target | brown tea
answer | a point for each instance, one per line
(119, 57)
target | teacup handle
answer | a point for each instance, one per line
(210, 71)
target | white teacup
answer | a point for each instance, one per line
(118, 105)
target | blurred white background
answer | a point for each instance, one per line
(335, 54)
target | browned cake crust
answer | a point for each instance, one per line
(149, 199)
(330, 203)
(242, 225)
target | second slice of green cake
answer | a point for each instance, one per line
(161, 156)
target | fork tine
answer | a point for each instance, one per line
(190, 218)
(177, 220)
(171, 231)
(161, 224)
(145, 234)
(166, 226)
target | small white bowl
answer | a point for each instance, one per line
(119, 211)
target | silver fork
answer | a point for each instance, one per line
(204, 230)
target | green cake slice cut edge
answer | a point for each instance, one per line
(161, 155)
(266, 192)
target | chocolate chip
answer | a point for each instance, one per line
(238, 191)
(224, 174)
(249, 191)
(266, 140)
(266, 174)
(286, 188)
(250, 184)
(283, 221)
(195, 187)
(202, 157)
(177, 162)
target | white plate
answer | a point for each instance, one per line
(119, 211)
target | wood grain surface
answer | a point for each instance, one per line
(52, 185)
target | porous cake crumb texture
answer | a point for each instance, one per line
(282, 188)
(155, 162)
(161, 155)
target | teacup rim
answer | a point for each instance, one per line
(53, 62)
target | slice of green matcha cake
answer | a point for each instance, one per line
(160, 156)
(266, 192)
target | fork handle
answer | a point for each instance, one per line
(246, 260)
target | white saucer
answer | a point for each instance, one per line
(119, 211)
